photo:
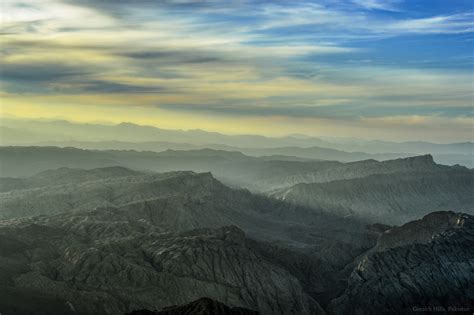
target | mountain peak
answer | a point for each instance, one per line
(425, 159)
(423, 230)
(418, 161)
(422, 159)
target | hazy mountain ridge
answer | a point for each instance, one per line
(124, 137)
(130, 132)
(393, 198)
(412, 181)
(330, 171)
(313, 152)
(233, 168)
(68, 194)
(342, 154)
(64, 175)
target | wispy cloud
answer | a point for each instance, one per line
(443, 24)
(352, 23)
(386, 5)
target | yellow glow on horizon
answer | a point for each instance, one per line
(140, 115)
(372, 128)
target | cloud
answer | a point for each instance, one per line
(46, 78)
(386, 5)
(349, 23)
(176, 56)
(345, 112)
(444, 24)
(42, 16)
(103, 86)
(34, 72)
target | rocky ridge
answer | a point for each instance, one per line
(426, 264)
(72, 271)
(388, 198)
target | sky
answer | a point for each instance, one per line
(375, 69)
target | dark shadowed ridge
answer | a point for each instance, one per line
(202, 306)
(423, 264)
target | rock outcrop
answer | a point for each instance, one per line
(423, 265)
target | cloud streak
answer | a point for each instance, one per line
(386, 5)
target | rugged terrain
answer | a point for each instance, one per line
(203, 306)
(422, 265)
(115, 240)
(312, 246)
(102, 263)
(176, 200)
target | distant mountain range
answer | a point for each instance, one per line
(128, 136)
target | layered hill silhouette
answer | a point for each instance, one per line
(147, 138)
(234, 168)
(390, 192)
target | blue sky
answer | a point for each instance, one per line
(387, 69)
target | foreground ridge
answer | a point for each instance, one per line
(202, 306)
(423, 265)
